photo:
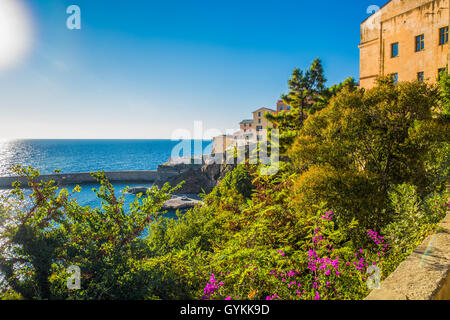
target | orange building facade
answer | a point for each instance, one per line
(407, 39)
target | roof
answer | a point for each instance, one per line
(270, 110)
(246, 121)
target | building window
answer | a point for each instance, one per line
(394, 50)
(259, 114)
(443, 35)
(395, 77)
(420, 76)
(420, 43)
(259, 120)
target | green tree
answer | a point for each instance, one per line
(238, 180)
(351, 153)
(444, 83)
(307, 95)
(107, 243)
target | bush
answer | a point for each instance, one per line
(413, 220)
(238, 180)
(55, 233)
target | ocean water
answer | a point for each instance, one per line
(89, 156)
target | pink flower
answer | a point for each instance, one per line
(281, 252)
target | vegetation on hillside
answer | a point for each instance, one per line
(361, 184)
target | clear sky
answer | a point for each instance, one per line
(142, 69)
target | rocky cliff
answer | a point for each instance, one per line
(197, 178)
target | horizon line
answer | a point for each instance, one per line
(105, 139)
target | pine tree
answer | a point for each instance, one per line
(305, 90)
(307, 95)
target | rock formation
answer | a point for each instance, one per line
(197, 178)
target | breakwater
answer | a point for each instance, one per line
(197, 177)
(159, 177)
(86, 178)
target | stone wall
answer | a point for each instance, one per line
(424, 275)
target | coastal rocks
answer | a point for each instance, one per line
(176, 202)
(167, 171)
(197, 178)
(181, 203)
(195, 182)
(138, 190)
(216, 172)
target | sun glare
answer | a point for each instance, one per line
(15, 32)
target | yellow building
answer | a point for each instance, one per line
(249, 131)
(259, 122)
(407, 39)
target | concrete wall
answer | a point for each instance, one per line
(84, 178)
(401, 21)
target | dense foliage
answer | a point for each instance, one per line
(307, 94)
(361, 185)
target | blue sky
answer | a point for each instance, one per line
(142, 69)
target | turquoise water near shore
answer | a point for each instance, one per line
(90, 156)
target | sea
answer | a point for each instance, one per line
(71, 156)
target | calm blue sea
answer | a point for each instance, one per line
(88, 156)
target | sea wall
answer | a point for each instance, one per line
(165, 173)
(198, 178)
(86, 178)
